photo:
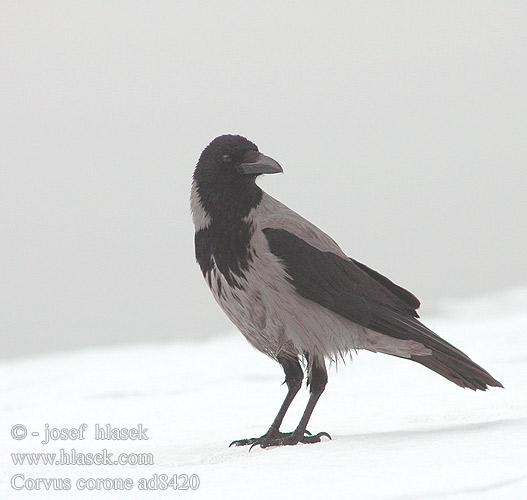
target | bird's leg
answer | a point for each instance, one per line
(293, 379)
(317, 380)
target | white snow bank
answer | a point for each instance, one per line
(399, 431)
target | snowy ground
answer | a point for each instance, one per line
(399, 431)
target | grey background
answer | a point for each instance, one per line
(401, 127)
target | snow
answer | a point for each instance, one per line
(399, 431)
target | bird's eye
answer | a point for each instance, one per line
(226, 159)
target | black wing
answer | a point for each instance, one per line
(344, 286)
(368, 298)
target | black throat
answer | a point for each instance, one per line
(225, 242)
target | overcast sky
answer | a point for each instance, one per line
(401, 127)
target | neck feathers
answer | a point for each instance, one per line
(223, 230)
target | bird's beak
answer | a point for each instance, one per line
(256, 163)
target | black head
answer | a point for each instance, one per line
(226, 172)
(234, 158)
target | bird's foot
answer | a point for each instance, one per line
(277, 438)
(269, 435)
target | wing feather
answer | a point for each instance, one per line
(352, 290)
(368, 298)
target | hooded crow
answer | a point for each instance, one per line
(293, 293)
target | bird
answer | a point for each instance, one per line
(294, 294)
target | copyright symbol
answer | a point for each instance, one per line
(18, 432)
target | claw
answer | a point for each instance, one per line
(243, 442)
(277, 438)
(315, 439)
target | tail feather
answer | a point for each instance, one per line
(458, 368)
(445, 359)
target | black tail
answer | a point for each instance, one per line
(444, 358)
(458, 368)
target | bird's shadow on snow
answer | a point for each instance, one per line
(460, 491)
(205, 457)
(452, 429)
